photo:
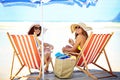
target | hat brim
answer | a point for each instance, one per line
(86, 28)
(73, 27)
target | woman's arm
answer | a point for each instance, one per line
(47, 45)
(75, 46)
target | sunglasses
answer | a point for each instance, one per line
(37, 28)
(77, 27)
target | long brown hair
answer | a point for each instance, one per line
(31, 31)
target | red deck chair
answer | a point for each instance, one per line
(91, 51)
(27, 53)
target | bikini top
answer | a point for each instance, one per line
(79, 48)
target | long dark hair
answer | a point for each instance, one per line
(31, 31)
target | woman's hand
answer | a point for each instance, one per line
(71, 41)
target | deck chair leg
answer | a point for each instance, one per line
(12, 66)
(12, 77)
(40, 74)
(88, 73)
(108, 63)
(107, 60)
(17, 72)
(52, 63)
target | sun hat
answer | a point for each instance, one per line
(83, 25)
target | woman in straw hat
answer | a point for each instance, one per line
(36, 28)
(80, 38)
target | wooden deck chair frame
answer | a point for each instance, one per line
(83, 66)
(35, 59)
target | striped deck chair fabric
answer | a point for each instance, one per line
(91, 51)
(26, 51)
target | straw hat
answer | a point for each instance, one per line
(84, 26)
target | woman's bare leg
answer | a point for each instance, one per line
(47, 61)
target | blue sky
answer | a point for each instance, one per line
(105, 10)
